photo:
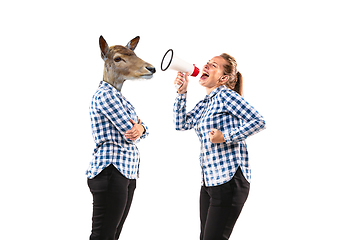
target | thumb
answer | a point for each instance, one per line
(186, 77)
(131, 120)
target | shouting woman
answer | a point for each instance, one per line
(222, 121)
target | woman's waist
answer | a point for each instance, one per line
(216, 151)
(112, 145)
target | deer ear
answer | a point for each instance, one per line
(133, 43)
(104, 48)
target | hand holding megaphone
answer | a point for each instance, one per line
(181, 82)
(170, 61)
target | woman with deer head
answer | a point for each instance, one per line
(222, 121)
(116, 129)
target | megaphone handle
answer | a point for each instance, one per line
(177, 86)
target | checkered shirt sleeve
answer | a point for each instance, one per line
(110, 114)
(182, 120)
(250, 121)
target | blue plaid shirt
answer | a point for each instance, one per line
(227, 111)
(110, 114)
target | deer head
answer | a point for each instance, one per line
(121, 63)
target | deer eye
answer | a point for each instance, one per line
(117, 59)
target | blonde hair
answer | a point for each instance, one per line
(235, 80)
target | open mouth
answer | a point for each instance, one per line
(204, 75)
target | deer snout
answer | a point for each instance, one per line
(151, 69)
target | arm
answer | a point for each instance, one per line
(145, 130)
(253, 121)
(238, 107)
(111, 107)
(181, 119)
(137, 131)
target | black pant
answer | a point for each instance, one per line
(220, 207)
(112, 198)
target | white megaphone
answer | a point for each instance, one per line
(169, 61)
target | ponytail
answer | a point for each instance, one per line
(235, 81)
(239, 85)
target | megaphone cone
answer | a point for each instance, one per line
(170, 61)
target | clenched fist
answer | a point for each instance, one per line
(216, 136)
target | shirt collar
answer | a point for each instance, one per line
(107, 85)
(215, 91)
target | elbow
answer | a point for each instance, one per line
(178, 128)
(262, 124)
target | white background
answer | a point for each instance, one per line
(287, 52)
